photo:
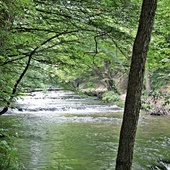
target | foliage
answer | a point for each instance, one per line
(39, 32)
(60, 42)
(8, 152)
(160, 77)
(11, 64)
(159, 54)
(111, 97)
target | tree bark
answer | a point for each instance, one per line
(135, 83)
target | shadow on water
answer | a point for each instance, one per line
(161, 165)
(62, 131)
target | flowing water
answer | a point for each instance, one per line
(62, 131)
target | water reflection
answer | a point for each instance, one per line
(85, 138)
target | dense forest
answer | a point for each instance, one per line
(85, 46)
(77, 45)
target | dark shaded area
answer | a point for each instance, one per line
(162, 165)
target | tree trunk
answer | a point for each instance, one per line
(135, 83)
(110, 83)
(148, 82)
(108, 77)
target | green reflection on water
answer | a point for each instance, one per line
(48, 145)
(91, 145)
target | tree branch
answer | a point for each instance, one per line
(5, 109)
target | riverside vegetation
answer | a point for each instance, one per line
(79, 45)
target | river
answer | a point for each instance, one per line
(59, 130)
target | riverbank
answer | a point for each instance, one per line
(154, 103)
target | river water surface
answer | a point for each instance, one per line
(62, 131)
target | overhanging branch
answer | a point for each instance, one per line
(5, 109)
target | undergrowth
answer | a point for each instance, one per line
(8, 152)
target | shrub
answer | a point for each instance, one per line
(112, 97)
(8, 152)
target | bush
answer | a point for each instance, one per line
(112, 97)
(8, 152)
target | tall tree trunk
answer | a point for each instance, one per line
(135, 82)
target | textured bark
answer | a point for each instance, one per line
(135, 83)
